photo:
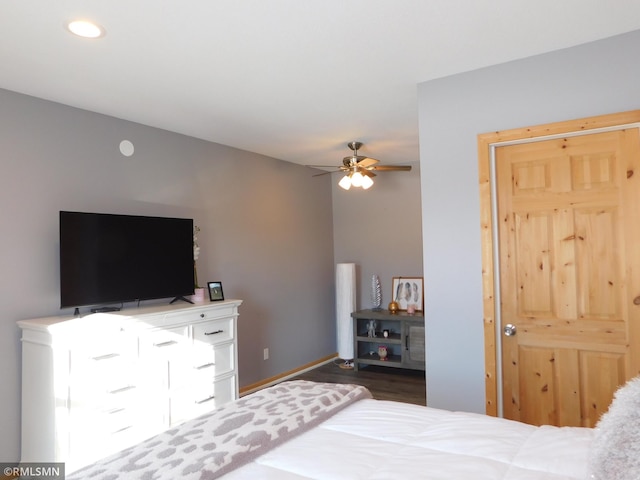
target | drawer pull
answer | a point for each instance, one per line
(105, 357)
(123, 389)
(122, 429)
(200, 402)
(214, 333)
(206, 365)
(165, 344)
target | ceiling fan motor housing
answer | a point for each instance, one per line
(355, 146)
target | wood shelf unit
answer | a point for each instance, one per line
(405, 343)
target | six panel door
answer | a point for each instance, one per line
(568, 213)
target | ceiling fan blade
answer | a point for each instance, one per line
(367, 172)
(333, 168)
(367, 162)
(323, 173)
(387, 168)
(327, 172)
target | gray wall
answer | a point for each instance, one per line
(591, 79)
(267, 230)
(380, 230)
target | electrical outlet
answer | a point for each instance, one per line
(266, 354)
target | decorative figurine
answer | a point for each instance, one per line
(371, 328)
(382, 352)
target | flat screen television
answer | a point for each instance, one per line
(108, 259)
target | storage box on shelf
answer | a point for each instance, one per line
(405, 343)
(97, 384)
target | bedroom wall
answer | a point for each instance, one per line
(380, 230)
(586, 80)
(267, 230)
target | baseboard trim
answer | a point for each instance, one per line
(286, 375)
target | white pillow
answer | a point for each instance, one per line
(615, 451)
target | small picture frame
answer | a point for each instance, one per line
(215, 291)
(408, 292)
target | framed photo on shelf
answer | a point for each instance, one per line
(215, 291)
(408, 291)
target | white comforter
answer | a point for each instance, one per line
(380, 440)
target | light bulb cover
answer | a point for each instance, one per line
(366, 182)
(356, 179)
(345, 182)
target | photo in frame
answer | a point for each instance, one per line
(408, 291)
(215, 291)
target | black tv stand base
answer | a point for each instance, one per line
(181, 298)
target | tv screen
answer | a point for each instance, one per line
(106, 258)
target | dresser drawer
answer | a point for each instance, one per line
(202, 365)
(102, 375)
(216, 331)
(108, 420)
(107, 361)
(217, 359)
(97, 422)
(165, 342)
(192, 402)
(194, 316)
(99, 343)
(110, 435)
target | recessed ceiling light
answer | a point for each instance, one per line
(86, 29)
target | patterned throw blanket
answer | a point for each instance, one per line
(233, 435)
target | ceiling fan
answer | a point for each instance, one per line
(359, 170)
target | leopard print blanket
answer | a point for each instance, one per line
(233, 435)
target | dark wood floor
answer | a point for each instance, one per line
(384, 383)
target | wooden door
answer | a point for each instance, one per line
(568, 223)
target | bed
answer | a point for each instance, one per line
(305, 430)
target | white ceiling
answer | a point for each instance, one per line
(291, 79)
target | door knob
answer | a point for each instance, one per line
(510, 330)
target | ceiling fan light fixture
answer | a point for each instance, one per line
(345, 182)
(359, 170)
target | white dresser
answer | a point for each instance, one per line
(94, 385)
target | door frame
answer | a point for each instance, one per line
(487, 144)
